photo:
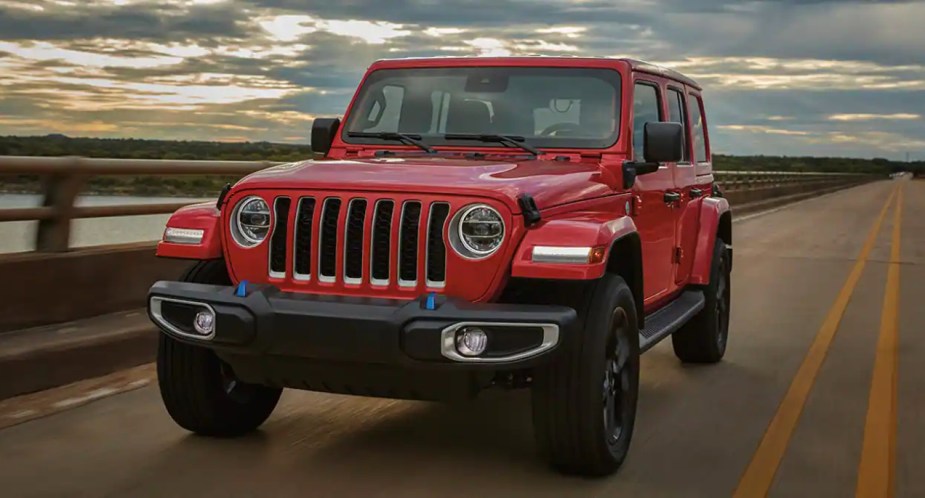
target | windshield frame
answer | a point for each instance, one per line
(611, 75)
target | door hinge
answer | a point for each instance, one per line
(677, 255)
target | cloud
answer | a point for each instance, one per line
(874, 117)
(800, 73)
(782, 77)
(763, 129)
(162, 20)
(288, 28)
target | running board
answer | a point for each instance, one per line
(670, 318)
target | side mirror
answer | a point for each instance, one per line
(664, 142)
(323, 132)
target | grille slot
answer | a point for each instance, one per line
(305, 213)
(328, 240)
(278, 238)
(353, 244)
(408, 244)
(381, 244)
(436, 248)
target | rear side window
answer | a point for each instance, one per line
(646, 109)
(698, 130)
(676, 114)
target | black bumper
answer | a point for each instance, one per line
(322, 329)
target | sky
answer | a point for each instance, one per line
(783, 77)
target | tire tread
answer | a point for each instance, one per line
(564, 391)
(190, 384)
(695, 341)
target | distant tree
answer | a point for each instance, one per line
(129, 148)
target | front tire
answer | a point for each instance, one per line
(584, 405)
(703, 339)
(200, 391)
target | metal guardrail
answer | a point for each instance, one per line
(63, 178)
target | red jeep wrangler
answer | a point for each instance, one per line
(475, 223)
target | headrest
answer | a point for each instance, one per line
(468, 116)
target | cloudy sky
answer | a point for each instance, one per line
(784, 77)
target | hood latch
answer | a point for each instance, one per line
(528, 207)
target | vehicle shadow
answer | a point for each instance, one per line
(347, 446)
(331, 445)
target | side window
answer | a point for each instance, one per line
(385, 111)
(646, 109)
(676, 114)
(697, 129)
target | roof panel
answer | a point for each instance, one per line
(564, 61)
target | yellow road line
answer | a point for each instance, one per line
(875, 471)
(759, 475)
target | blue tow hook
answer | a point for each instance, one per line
(431, 303)
(241, 291)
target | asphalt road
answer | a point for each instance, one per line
(803, 353)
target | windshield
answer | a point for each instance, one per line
(548, 107)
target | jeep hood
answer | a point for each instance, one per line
(549, 182)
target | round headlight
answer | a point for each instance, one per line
(250, 222)
(477, 231)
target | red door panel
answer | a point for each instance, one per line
(656, 226)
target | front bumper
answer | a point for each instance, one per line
(324, 329)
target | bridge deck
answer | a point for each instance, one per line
(698, 427)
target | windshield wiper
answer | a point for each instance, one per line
(514, 140)
(404, 138)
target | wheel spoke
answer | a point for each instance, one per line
(616, 377)
(610, 417)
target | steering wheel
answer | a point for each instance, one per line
(558, 127)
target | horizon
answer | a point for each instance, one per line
(911, 160)
(795, 78)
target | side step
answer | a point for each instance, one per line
(670, 318)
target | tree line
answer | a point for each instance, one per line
(60, 145)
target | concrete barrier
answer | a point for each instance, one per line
(45, 288)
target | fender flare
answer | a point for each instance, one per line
(204, 216)
(715, 220)
(595, 230)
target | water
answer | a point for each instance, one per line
(19, 236)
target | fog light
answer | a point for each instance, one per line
(204, 322)
(471, 341)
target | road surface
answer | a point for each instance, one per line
(788, 413)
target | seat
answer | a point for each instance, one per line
(469, 116)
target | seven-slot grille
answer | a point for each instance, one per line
(351, 240)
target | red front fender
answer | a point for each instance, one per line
(205, 217)
(581, 229)
(715, 221)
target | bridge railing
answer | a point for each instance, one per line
(64, 178)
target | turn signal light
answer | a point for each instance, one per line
(569, 254)
(597, 254)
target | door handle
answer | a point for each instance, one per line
(696, 192)
(672, 197)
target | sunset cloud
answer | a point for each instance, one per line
(782, 77)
